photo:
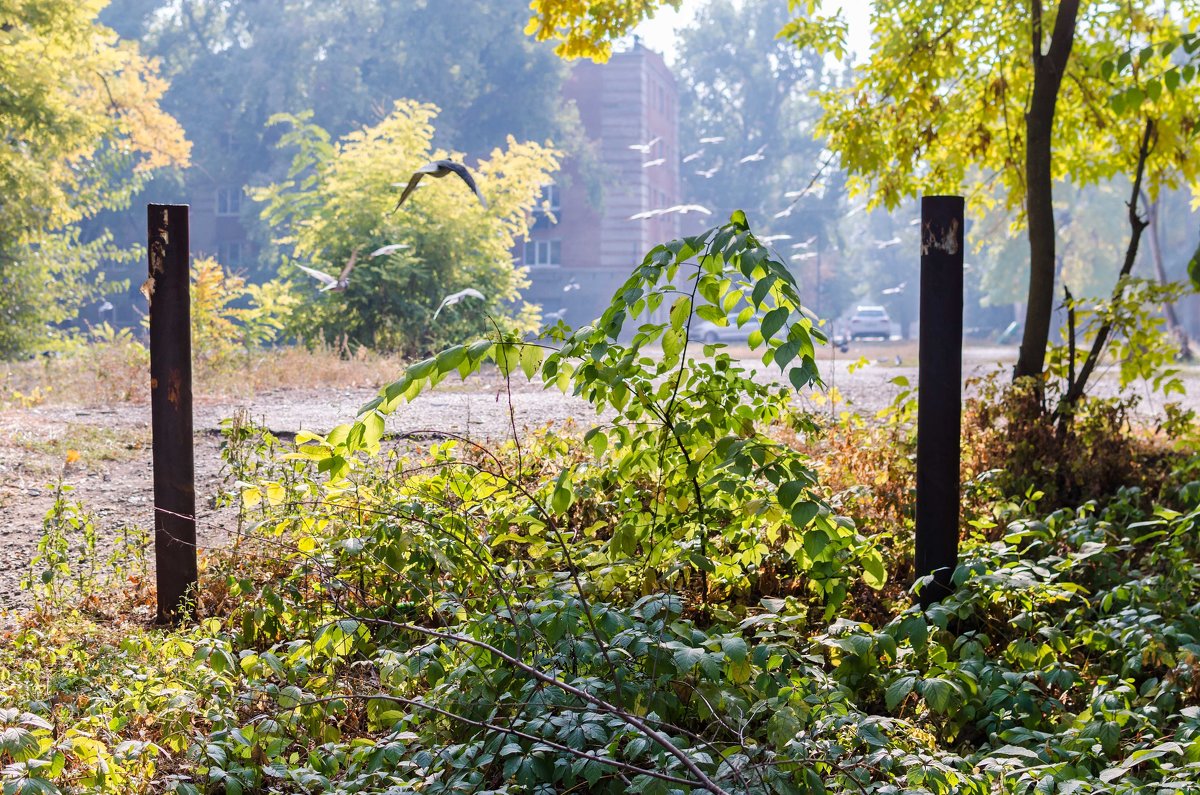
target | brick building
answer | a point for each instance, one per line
(630, 113)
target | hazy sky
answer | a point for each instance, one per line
(659, 33)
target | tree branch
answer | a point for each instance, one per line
(1035, 12)
(1063, 37)
(1137, 225)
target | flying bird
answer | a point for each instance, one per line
(693, 155)
(786, 211)
(558, 314)
(882, 244)
(455, 298)
(646, 147)
(804, 256)
(574, 285)
(658, 161)
(773, 238)
(332, 284)
(709, 174)
(684, 209)
(716, 139)
(439, 169)
(805, 243)
(645, 214)
(388, 249)
(754, 158)
(796, 194)
(897, 290)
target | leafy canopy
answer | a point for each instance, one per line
(77, 101)
(338, 198)
(940, 103)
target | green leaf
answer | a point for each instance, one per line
(449, 359)
(815, 541)
(562, 498)
(762, 288)
(789, 492)
(735, 648)
(773, 321)
(686, 658)
(506, 357)
(803, 513)
(531, 359)
(898, 690)
(938, 694)
(681, 310)
(672, 343)
(874, 572)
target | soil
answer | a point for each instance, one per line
(103, 453)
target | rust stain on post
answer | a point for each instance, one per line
(167, 289)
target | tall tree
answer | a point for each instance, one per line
(82, 127)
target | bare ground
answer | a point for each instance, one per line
(112, 476)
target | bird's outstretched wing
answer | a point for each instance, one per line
(409, 188)
(388, 249)
(439, 169)
(327, 282)
(463, 173)
(455, 298)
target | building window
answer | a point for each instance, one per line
(552, 197)
(230, 255)
(547, 211)
(229, 201)
(543, 252)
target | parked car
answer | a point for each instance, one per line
(708, 331)
(870, 321)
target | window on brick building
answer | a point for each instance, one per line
(230, 254)
(543, 252)
(229, 201)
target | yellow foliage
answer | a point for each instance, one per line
(585, 29)
(77, 94)
(339, 198)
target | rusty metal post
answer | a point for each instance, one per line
(168, 290)
(939, 397)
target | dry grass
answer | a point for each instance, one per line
(102, 374)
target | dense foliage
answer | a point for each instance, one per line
(83, 128)
(649, 607)
(339, 200)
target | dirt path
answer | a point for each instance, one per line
(113, 479)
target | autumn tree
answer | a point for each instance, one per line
(338, 200)
(82, 126)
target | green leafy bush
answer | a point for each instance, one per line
(667, 604)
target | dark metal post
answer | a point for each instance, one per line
(168, 290)
(939, 398)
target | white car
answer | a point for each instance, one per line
(870, 321)
(708, 331)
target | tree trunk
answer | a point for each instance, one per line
(1178, 332)
(1048, 71)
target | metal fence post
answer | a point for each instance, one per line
(168, 290)
(939, 400)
